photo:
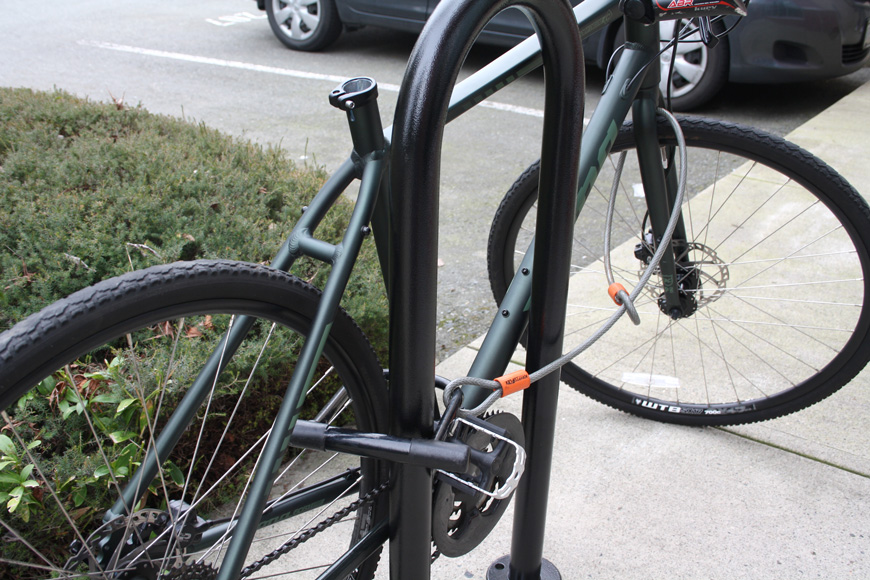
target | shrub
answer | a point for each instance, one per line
(90, 191)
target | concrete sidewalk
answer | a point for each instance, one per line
(634, 499)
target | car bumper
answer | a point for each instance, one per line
(822, 39)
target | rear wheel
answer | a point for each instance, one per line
(777, 251)
(90, 383)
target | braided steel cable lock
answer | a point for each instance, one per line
(627, 305)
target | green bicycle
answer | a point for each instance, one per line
(749, 288)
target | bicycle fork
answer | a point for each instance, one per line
(659, 176)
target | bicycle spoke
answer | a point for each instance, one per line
(143, 390)
(769, 271)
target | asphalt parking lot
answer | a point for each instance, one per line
(218, 63)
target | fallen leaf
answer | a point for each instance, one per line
(192, 332)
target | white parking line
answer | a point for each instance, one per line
(237, 18)
(281, 71)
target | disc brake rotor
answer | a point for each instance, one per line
(710, 271)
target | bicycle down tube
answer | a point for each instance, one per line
(637, 65)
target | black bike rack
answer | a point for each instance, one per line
(421, 114)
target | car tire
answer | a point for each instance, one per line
(700, 71)
(307, 25)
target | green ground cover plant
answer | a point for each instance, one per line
(92, 190)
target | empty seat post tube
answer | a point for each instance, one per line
(358, 97)
(421, 113)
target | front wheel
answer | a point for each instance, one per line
(775, 265)
(92, 384)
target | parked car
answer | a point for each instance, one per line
(780, 41)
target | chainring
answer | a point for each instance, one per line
(460, 520)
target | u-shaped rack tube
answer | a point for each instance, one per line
(418, 128)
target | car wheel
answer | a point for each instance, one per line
(304, 24)
(699, 71)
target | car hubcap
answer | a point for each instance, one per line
(690, 62)
(298, 19)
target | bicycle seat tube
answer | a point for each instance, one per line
(357, 97)
(421, 113)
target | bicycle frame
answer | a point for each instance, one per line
(405, 232)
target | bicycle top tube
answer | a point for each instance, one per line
(590, 16)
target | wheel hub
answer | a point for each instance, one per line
(138, 544)
(702, 277)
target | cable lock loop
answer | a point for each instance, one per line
(451, 388)
(500, 386)
(620, 296)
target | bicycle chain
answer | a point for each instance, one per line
(309, 533)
